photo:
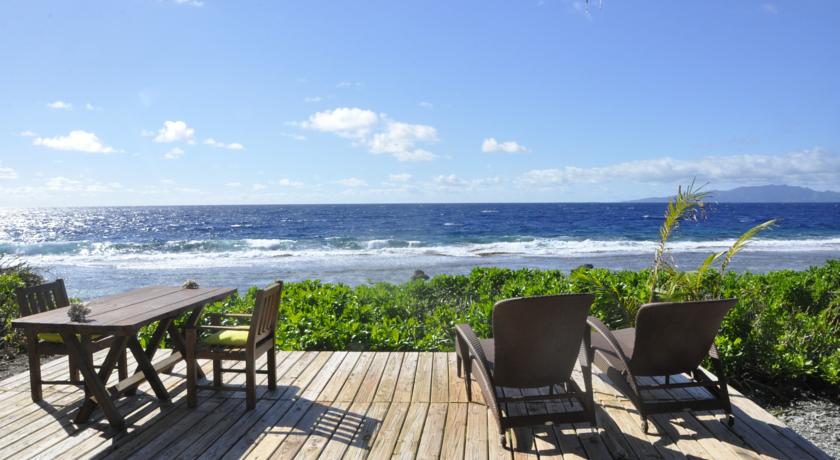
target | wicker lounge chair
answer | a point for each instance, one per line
(46, 297)
(535, 345)
(236, 343)
(669, 339)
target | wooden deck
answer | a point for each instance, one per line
(362, 404)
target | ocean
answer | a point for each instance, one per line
(105, 250)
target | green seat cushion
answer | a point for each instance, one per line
(237, 338)
(55, 337)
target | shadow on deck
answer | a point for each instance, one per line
(366, 405)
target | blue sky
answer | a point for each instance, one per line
(202, 102)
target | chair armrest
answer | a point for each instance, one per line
(229, 315)
(607, 334)
(220, 328)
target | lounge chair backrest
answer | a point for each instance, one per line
(537, 339)
(264, 319)
(41, 298)
(674, 337)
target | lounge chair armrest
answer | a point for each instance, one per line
(607, 334)
(467, 338)
(713, 352)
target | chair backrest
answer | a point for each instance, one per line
(264, 318)
(537, 339)
(674, 337)
(41, 298)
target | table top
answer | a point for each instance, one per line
(128, 311)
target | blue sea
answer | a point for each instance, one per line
(111, 249)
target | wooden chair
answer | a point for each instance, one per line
(670, 338)
(50, 296)
(536, 341)
(236, 343)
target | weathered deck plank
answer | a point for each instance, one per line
(368, 405)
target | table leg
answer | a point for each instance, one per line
(145, 365)
(95, 383)
(34, 364)
(151, 348)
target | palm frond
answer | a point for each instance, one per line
(687, 204)
(741, 242)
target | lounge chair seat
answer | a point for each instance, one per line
(536, 343)
(670, 338)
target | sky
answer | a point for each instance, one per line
(155, 102)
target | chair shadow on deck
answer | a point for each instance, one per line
(669, 429)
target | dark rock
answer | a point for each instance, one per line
(419, 275)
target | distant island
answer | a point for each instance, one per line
(763, 194)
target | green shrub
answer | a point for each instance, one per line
(785, 330)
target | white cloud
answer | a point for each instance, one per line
(452, 182)
(347, 122)
(401, 177)
(195, 3)
(27, 133)
(77, 140)
(808, 167)
(313, 99)
(173, 154)
(233, 184)
(92, 107)
(8, 173)
(259, 187)
(426, 105)
(348, 84)
(378, 133)
(289, 183)
(491, 145)
(232, 146)
(60, 105)
(65, 184)
(352, 182)
(174, 131)
(297, 137)
(147, 133)
(399, 139)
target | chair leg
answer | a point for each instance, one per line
(272, 369)
(468, 378)
(217, 372)
(122, 366)
(34, 365)
(250, 382)
(458, 364)
(191, 368)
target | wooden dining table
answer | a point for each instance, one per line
(122, 316)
